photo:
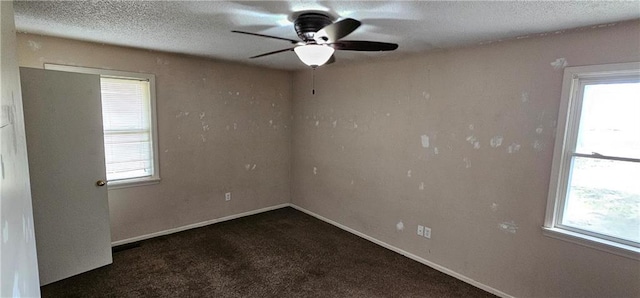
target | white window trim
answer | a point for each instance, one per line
(568, 121)
(155, 178)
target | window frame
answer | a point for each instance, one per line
(107, 73)
(569, 114)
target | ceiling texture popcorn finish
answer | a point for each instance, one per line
(203, 28)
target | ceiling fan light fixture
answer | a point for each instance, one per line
(314, 55)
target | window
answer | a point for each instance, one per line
(594, 193)
(128, 121)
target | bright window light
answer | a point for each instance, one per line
(594, 195)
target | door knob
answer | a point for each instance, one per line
(101, 183)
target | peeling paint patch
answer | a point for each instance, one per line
(537, 145)
(514, 147)
(508, 227)
(435, 150)
(425, 141)
(317, 123)
(335, 123)
(203, 138)
(421, 187)
(315, 171)
(161, 61)
(476, 145)
(471, 139)
(467, 162)
(400, 226)
(539, 130)
(247, 166)
(409, 173)
(496, 141)
(34, 45)
(559, 64)
(202, 114)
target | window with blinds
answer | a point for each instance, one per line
(129, 124)
(126, 117)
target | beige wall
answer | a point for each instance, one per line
(359, 160)
(222, 127)
(358, 157)
(18, 261)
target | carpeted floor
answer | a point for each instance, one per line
(281, 253)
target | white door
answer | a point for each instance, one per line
(63, 121)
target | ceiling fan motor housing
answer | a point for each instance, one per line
(308, 24)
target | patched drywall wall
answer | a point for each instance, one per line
(18, 260)
(222, 127)
(460, 141)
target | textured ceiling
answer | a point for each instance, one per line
(203, 28)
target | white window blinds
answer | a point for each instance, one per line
(126, 116)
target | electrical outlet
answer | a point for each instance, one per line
(427, 232)
(420, 230)
(227, 196)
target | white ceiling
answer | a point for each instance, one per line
(203, 28)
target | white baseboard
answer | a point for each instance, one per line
(197, 225)
(442, 269)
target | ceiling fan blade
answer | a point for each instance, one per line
(358, 45)
(337, 30)
(267, 36)
(271, 53)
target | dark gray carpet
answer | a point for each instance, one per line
(282, 253)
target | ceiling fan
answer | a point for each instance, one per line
(321, 37)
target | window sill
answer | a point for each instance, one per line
(593, 242)
(118, 184)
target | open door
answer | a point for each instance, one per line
(65, 146)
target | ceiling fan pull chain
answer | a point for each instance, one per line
(313, 81)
